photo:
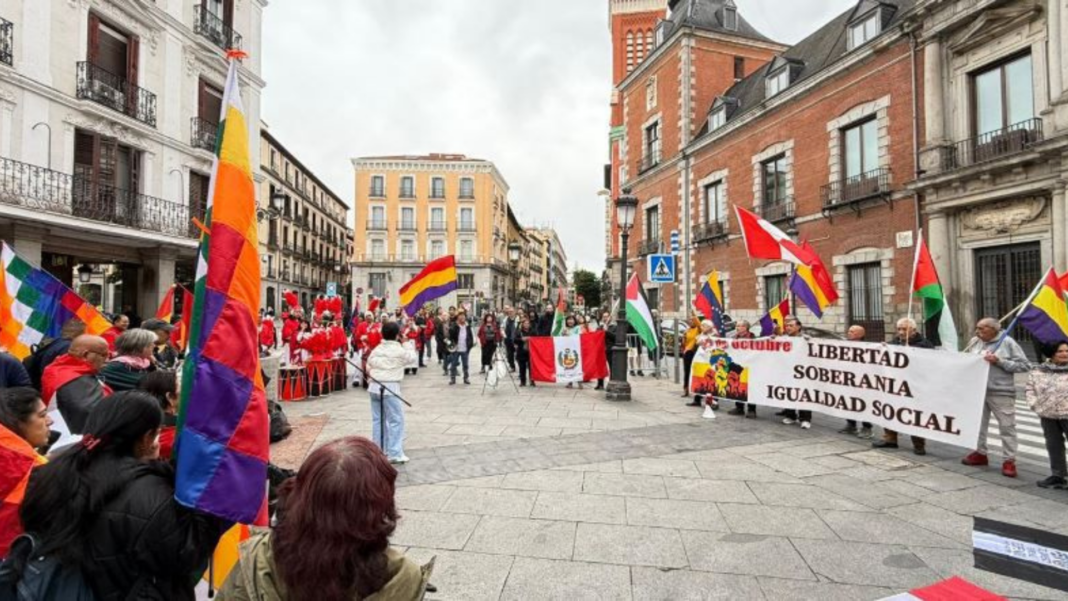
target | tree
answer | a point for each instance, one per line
(588, 286)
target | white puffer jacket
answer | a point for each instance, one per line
(387, 362)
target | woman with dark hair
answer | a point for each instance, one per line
(489, 335)
(386, 365)
(106, 508)
(24, 426)
(134, 359)
(1047, 395)
(163, 385)
(331, 542)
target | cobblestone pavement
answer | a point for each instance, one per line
(553, 493)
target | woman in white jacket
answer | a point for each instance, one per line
(386, 365)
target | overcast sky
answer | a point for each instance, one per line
(523, 84)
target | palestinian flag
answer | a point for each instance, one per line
(560, 316)
(638, 315)
(936, 314)
(568, 359)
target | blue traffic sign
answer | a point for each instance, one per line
(661, 269)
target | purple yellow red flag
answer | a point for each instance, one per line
(1046, 315)
(775, 318)
(222, 446)
(435, 281)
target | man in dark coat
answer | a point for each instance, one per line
(72, 381)
(906, 336)
(511, 326)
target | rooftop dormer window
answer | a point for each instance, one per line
(717, 118)
(777, 82)
(863, 31)
(730, 17)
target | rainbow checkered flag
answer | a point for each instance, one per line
(35, 305)
(223, 445)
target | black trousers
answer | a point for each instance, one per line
(524, 368)
(1055, 431)
(487, 353)
(804, 416)
(509, 351)
(442, 354)
(687, 363)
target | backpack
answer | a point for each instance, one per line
(280, 427)
(25, 576)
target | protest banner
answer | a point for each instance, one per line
(934, 394)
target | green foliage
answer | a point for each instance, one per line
(588, 285)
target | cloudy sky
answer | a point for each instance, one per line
(524, 84)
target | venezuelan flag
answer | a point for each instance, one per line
(709, 301)
(774, 318)
(435, 281)
(223, 445)
(1046, 316)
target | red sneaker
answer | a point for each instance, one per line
(1008, 469)
(975, 458)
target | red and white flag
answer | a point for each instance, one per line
(954, 589)
(765, 241)
(568, 359)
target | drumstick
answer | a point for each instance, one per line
(369, 377)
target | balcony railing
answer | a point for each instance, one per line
(437, 194)
(114, 92)
(203, 133)
(648, 247)
(407, 193)
(855, 189)
(215, 29)
(377, 192)
(465, 227)
(466, 258)
(408, 257)
(779, 211)
(993, 145)
(709, 232)
(376, 226)
(43, 190)
(407, 226)
(437, 226)
(650, 160)
(467, 194)
(7, 42)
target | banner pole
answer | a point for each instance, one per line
(1015, 320)
(912, 281)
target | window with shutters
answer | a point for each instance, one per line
(467, 188)
(437, 187)
(209, 112)
(378, 186)
(774, 290)
(407, 187)
(106, 179)
(199, 184)
(437, 249)
(866, 299)
(109, 75)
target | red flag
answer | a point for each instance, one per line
(373, 305)
(559, 359)
(765, 241)
(166, 307)
(180, 334)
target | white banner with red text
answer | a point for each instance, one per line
(935, 394)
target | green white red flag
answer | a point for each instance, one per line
(927, 287)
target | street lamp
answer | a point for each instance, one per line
(85, 273)
(274, 211)
(618, 388)
(513, 256)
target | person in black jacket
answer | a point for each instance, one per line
(906, 336)
(441, 332)
(461, 339)
(521, 341)
(52, 350)
(510, 326)
(12, 373)
(106, 507)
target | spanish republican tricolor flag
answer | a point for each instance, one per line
(1046, 315)
(435, 281)
(569, 359)
(776, 318)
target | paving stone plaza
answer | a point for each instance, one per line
(555, 493)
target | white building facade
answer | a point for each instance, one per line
(108, 112)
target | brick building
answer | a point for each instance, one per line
(818, 138)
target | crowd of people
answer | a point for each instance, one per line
(87, 427)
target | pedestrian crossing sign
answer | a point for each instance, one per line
(661, 269)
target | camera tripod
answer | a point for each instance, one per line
(498, 360)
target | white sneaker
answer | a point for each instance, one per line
(806, 425)
(789, 421)
(399, 460)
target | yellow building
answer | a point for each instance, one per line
(411, 210)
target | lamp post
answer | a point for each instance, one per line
(513, 257)
(618, 389)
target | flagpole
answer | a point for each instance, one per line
(912, 281)
(1015, 320)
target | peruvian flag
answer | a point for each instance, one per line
(568, 359)
(954, 589)
(765, 241)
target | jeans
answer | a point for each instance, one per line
(393, 446)
(455, 359)
(509, 348)
(1055, 431)
(1004, 409)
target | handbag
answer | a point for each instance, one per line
(26, 576)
